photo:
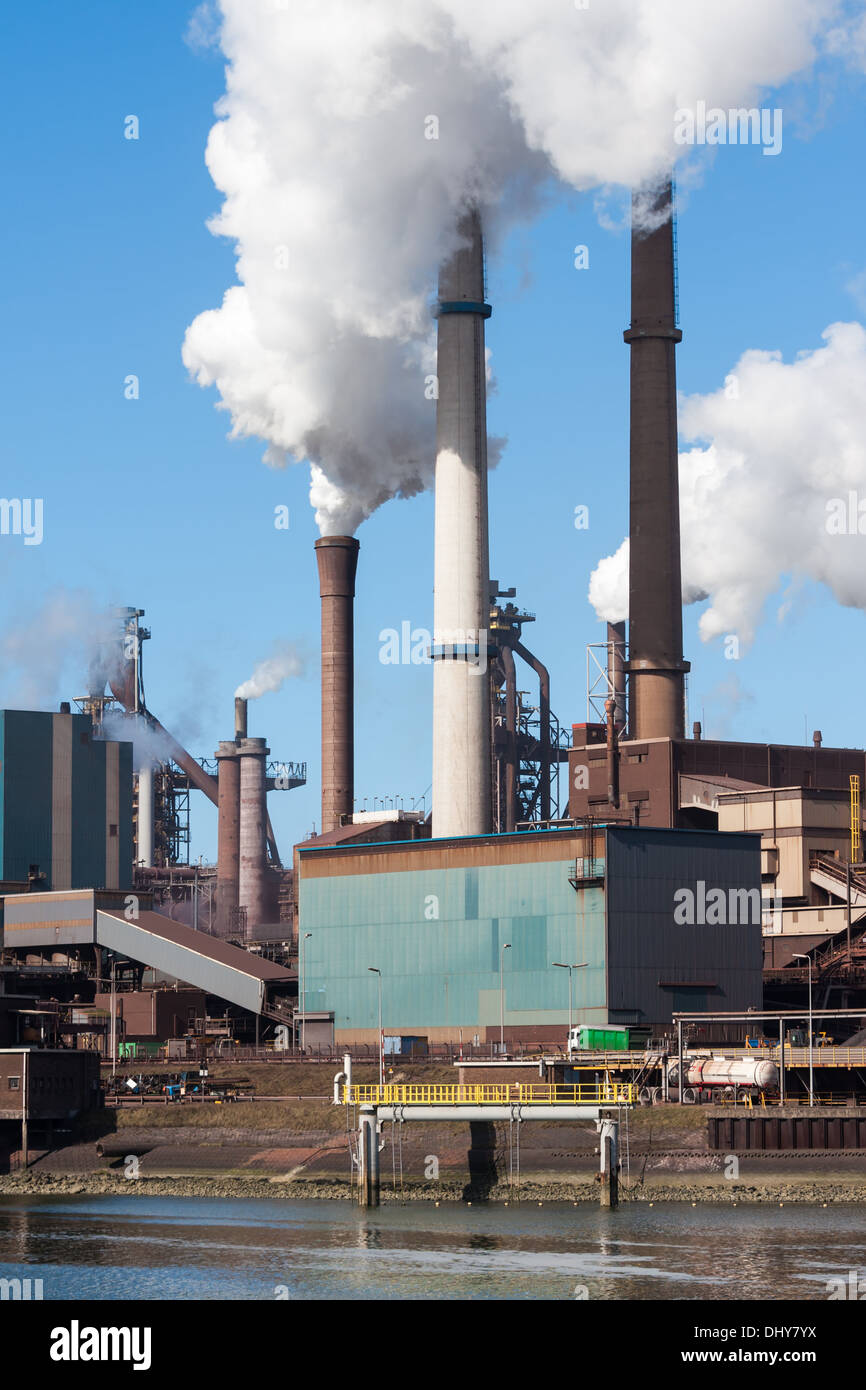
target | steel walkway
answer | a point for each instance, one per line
(534, 1094)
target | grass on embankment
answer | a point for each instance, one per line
(306, 1091)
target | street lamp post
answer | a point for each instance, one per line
(304, 987)
(374, 969)
(113, 1021)
(808, 959)
(506, 947)
(560, 965)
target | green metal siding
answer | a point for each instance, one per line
(88, 809)
(26, 792)
(437, 935)
(28, 795)
(124, 797)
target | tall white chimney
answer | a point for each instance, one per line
(461, 700)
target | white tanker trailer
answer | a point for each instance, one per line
(732, 1074)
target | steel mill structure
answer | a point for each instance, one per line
(547, 846)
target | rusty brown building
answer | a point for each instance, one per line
(676, 782)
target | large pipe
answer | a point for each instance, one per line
(337, 558)
(228, 836)
(200, 779)
(656, 665)
(612, 754)
(144, 820)
(544, 749)
(461, 699)
(616, 670)
(252, 894)
(507, 658)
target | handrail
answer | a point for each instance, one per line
(494, 1093)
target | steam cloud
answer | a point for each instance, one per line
(149, 746)
(773, 492)
(270, 674)
(342, 206)
(60, 641)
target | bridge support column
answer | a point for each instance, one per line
(368, 1135)
(608, 1130)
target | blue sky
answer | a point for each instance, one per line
(108, 260)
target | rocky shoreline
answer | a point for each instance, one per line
(812, 1191)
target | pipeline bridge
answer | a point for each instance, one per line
(514, 1102)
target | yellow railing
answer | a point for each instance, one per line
(831, 1056)
(515, 1093)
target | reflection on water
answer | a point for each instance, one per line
(180, 1248)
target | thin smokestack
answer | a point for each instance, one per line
(252, 894)
(240, 717)
(461, 700)
(656, 666)
(616, 670)
(228, 835)
(337, 558)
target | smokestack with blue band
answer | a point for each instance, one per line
(461, 700)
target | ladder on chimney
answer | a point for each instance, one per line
(676, 258)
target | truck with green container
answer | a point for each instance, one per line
(583, 1038)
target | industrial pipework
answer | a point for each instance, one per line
(616, 672)
(337, 558)
(656, 665)
(461, 698)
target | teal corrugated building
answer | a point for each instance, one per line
(65, 802)
(435, 917)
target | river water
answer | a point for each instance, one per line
(199, 1248)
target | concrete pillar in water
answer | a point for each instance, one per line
(608, 1130)
(368, 1134)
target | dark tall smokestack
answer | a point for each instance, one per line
(228, 835)
(337, 558)
(656, 666)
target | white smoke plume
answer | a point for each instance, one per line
(269, 675)
(149, 746)
(58, 641)
(350, 137)
(776, 493)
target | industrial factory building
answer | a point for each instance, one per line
(463, 916)
(65, 802)
(468, 932)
